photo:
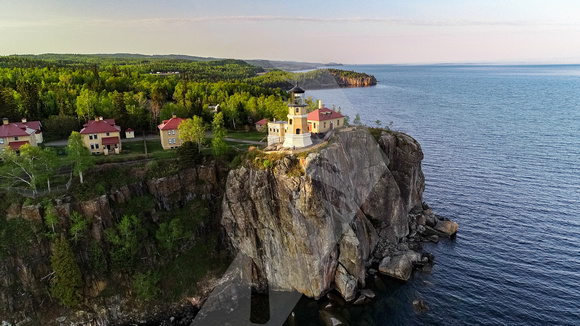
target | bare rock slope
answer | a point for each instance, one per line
(355, 203)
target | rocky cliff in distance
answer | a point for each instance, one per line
(357, 203)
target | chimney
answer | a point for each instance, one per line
(97, 119)
(5, 121)
(320, 104)
(101, 118)
(23, 120)
(173, 115)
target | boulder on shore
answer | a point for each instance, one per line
(399, 267)
(447, 227)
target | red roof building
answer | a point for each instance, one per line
(324, 119)
(16, 134)
(169, 132)
(102, 136)
(261, 125)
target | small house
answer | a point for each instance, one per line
(261, 125)
(129, 133)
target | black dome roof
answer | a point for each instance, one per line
(296, 89)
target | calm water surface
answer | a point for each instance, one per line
(502, 158)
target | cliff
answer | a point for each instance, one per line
(109, 294)
(357, 203)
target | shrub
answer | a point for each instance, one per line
(189, 154)
(145, 285)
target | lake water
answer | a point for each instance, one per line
(502, 158)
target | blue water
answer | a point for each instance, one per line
(502, 158)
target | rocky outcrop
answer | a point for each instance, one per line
(321, 230)
(25, 269)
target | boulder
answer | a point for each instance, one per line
(368, 293)
(330, 317)
(32, 213)
(447, 227)
(401, 266)
(360, 300)
(346, 284)
(420, 306)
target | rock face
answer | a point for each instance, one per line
(25, 270)
(321, 230)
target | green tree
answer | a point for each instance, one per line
(29, 99)
(357, 120)
(218, 141)
(79, 154)
(125, 241)
(61, 125)
(169, 233)
(79, 224)
(87, 104)
(8, 108)
(50, 219)
(68, 280)
(189, 154)
(193, 130)
(32, 167)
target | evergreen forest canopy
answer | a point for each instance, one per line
(65, 90)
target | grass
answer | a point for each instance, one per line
(250, 135)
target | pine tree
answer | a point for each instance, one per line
(68, 280)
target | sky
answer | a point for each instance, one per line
(361, 32)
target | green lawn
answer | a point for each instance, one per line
(251, 135)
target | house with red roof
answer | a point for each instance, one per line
(324, 119)
(16, 134)
(170, 133)
(102, 136)
(129, 133)
(261, 125)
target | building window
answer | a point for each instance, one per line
(173, 132)
(290, 121)
(338, 122)
(325, 124)
(96, 146)
(15, 138)
(108, 134)
(315, 125)
(1, 140)
(297, 110)
(90, 136)
(168, 132)
(95, 136)
(92, 146)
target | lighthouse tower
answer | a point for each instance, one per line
(297, 133)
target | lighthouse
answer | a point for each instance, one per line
(297, 133)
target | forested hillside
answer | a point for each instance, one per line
(138, 93)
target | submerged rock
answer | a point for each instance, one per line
(420, 306)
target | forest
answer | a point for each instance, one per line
(63, 91)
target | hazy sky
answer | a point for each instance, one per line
(409, 31)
